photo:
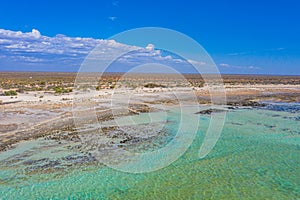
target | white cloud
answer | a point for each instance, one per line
(228, 66)
(29, 59)
(18, 34)
(194, 62)
(33, 42)
(35, 33)
(18, 48)
(224, 65)
(112, 18)
(238, 53)
(253, 67)
(150, 47)
(4, 41)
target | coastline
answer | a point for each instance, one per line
(35, 114)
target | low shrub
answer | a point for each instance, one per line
(10, 93)
(153, 85)
(60, 90)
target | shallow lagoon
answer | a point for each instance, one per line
(256, 157)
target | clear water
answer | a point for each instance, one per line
(256, 157)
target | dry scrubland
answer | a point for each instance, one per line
(37, 86)
(39, 104)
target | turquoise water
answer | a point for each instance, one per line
(256, 157)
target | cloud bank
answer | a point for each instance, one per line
(35, 52)
(228, 68)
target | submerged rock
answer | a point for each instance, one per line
(209, 111)
(291, 108)
(79, 159)
(246, 103)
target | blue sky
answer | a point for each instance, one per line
(258, 37)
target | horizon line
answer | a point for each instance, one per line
(74, 72)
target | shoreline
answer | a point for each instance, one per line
(36, 112)
(63, 123)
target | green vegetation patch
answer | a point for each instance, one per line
(60, 90)
(153, 85)
(10, 93)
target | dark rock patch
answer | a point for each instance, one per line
(209, 111)
(236, 123)
(246, 103)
